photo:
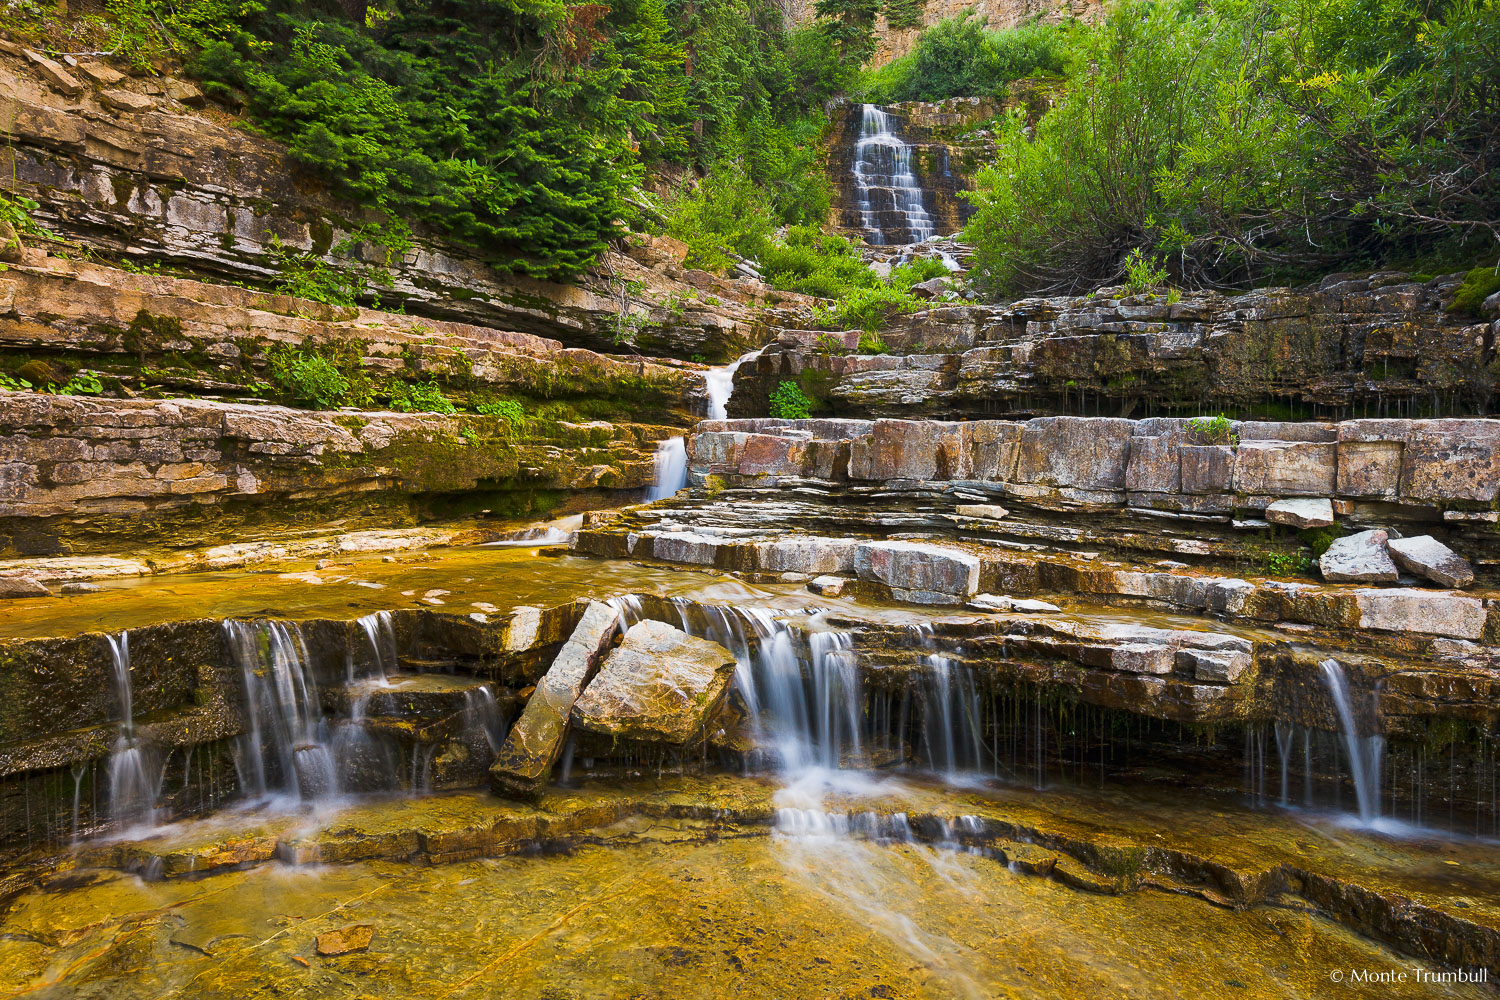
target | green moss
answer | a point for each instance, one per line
(1479, 284)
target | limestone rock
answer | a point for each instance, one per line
(986, 510)
(535, 741)
(828, 586)
(21, 586)
(1360, 558)
(101, 73)
(54, 74)
(125, 100)
(1427, 557)
(659, 685)
(990, 602)
(1408, 609)
(355, 937)
(79, 588)
(920, 572)
(1301, 513)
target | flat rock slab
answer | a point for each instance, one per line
(1301, 513)
(525, 760)
(919, 572)
(1360, 558)
(1023, 605)
(1429, 558)
(991, 511)
(659, 685)
(355, 937)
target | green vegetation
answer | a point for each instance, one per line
(959, 57)
(308, 378)
(512, 410)
(872, 343)
(789, 402)
(1213, 430)
(420, 397)
(1143, 272)
(902, 14)
(1235, 142)
(1479, 284)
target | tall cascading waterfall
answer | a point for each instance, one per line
(134, 774)
(889, 196)
(285, 727)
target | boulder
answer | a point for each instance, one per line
(659, 685)
(810, 554)
(828, 586)
(1429, 558)
(525, 760)
(1360, 558)
(21, 586)
(1301, 513)
(919, 572)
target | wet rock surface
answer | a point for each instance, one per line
(658, 685)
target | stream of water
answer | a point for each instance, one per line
(884, 184)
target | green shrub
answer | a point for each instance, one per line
(865, 308)
(420, 397)
(1282, 564)
(307, 378)
(1319, 539)
(958, 57)
(1143, 272)
(789, 402)
(872, 343)
(902, 14)
(1213, 430)
(920, 270)
(829, 344)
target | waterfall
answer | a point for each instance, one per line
(720, 382)
(1364, 751)
(380, 633)
(884, 183)
(671, 469)
(285, 723)
(134, 776)
(482, 714)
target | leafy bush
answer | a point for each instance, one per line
(902, 14)
(919, 270)
(420, 397)
(1213, 430)
(958, 57)
(789, 402)
(1143, 272)
(865, 308)
(1238, 142)
(307, 378)
(872, 343)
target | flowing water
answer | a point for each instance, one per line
(885, 187)
(671, 469)
(1364, 751)
(720, 384)
(135, 774)
(286, 748)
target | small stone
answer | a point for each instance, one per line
(790, 577)
(991, 602)
(1427, 557)
(1360, 558)
(21, 586)
(103, 75)
(79, 588)
(387, 559)
(187, 93)
(828, 586)
(436, 593)
(355, 937)
(991, 511)
(125, 100)
(1301, 513)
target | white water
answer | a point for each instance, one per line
(380, 634)
(134, 774)
(884, 181)
(671, 469)
(1364, 752)
(286, 724)
(721, 385)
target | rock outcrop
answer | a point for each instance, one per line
(660, 685)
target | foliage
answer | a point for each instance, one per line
(959, 57)
(789, 402)
(307, 377)
(82, 384)
(1213, 430)
(1319, 539)
(723, 217)
(826, 265)
(919, 270)
(1479, 284)
(1236, 141)
(903, 14)
(1143, 272)
(511, 410)
(850, 26)
(872, 343)
(13, 383)
(1286, 564)
(17, 223)
(827, 343)
(420, 397)
(865, 308)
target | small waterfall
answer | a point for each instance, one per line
(884, 183)
(482, 714)
(720, 382)
(671, 469)
(134, 775)
(286, 726)
(380, 633)
(1364, 751)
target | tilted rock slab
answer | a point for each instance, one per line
(1360, 558)
(536, 740)
(1427, 557)
(660, 685)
